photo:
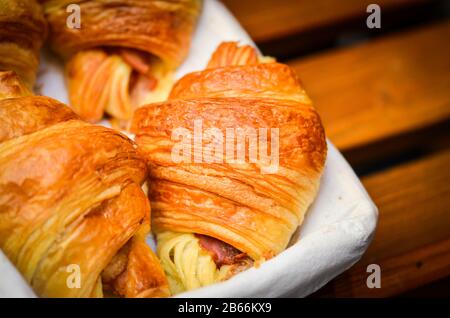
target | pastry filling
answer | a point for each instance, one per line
(115, 81)
(113, 279)
(192, 260)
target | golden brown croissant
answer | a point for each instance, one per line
(73, 216)
(124, 52)
(22, 32)
(220, 202)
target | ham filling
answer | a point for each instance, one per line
(221, 252)
(142, 80)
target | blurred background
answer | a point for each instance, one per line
(384, 98)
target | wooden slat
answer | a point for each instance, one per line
(412, 240)
(384, 88)
(399, 147)
(266, 20)
(414, 204)
(398, 274)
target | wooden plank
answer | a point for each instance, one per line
(398, 148)
(398, 274)
(381, 89)
(414, 204)
(266, 20)
(412, 240)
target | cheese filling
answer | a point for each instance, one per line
(187, 265)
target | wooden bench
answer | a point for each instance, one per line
(383, 90)
(385, 104)
(378, 100)
(412, 241)
(288, 27)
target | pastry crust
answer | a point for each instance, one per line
(123, 54)
(162, 28)
(12, 86)
(71, 199)
(255, 212)
(22, 32)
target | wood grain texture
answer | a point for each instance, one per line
(414, 204)
(266, 20)
(412, 241)
(383, 88)
(398, 274)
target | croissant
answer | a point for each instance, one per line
(22, 32)
(73, 215)
(235, 158)
(124, 52)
